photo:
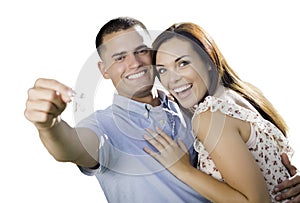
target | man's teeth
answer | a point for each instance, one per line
(182, 88)
(137, 75)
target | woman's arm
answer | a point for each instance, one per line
(224, 138)
(244, 181)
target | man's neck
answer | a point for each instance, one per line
(148, 100)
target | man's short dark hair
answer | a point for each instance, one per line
(115, 25)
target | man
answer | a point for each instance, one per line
(109, 143)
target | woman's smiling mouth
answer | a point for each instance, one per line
(183, 91)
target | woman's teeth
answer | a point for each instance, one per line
(182, 88)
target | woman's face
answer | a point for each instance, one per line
(182, 71)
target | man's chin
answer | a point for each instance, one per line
(142, 92)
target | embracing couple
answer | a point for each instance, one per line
(206, 136)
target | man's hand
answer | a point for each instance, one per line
(47, 99)
(286, 162)
(289, 189)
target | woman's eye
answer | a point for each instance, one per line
(183, 63)
(161, 70)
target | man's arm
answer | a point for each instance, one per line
(289, 188)
(46, 101)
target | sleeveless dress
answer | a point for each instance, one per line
(266, 142)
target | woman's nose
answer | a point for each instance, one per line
(174, 76)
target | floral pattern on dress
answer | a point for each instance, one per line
(266, 142)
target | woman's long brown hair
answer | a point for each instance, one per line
(225, 74)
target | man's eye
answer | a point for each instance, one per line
(142, 51)
(119, 58)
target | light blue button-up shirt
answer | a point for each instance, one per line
(126, 172)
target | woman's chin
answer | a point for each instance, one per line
(187, 104)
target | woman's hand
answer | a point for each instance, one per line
(172, 155)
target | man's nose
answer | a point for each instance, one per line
(133, 60)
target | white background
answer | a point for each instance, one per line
(53, 39)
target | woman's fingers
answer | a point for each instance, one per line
(164, 135)
(158, 138)
(152, 153)
(156, 144)
(170, 154)
(182, 145)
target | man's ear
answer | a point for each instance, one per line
(102, 70)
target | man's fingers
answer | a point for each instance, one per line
(285, 159)
(41, 106)
(45, 102)
(46, 95)
(45, 107)
(289, 189)
(288, 183)
(291, 193)
(40, 119)
(65, 92)
(286, 162)
(37, 116)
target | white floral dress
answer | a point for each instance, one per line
(266, 141)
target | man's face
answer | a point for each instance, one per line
(127, 62)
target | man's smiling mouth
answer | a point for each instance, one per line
(136, 75)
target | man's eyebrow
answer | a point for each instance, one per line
(119, 54)
(122, 53)
(142, 46)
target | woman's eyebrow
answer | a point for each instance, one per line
(176, 60)
(180, 57)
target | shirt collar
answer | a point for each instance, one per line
(139, 107)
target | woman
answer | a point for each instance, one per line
(238, 134)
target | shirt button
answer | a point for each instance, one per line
(148, 107)
(162, 122)
(146, 114)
